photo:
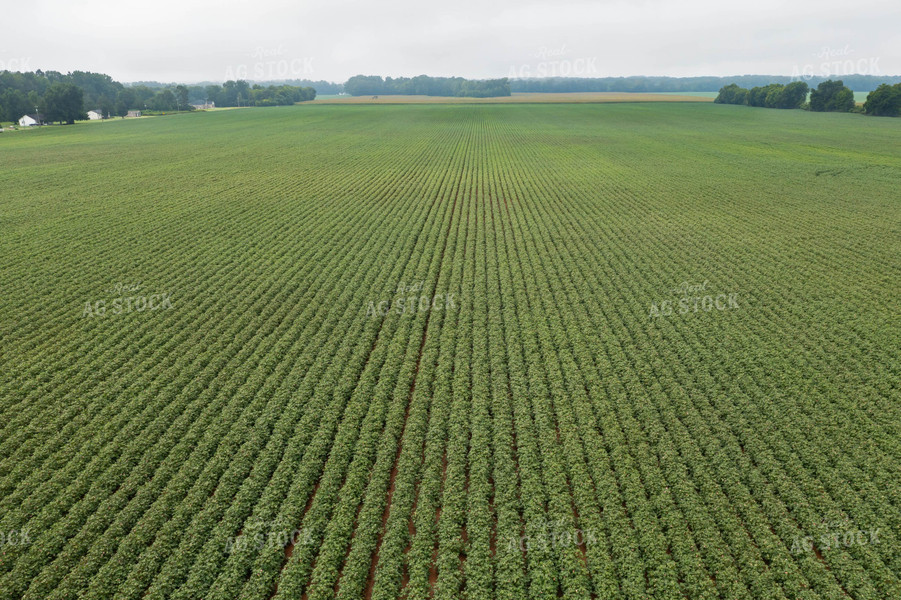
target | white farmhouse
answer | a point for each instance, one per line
(30, 120)
(95, 115)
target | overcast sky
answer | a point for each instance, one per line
(214, 40)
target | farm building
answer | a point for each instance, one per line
(95, 115)
(133, 113)
(31, 120)
(204, 105)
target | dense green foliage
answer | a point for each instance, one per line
(774, 95)
(365, 85)
(241, 93)
(831, 96)
(884, 101)
(538, 434)
(21, 93)
(63, 102)
(791, 96)
(732, 94)
(231, 93)
(197, 91)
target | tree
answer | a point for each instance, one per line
(214, 94)
(196, 94)
(242, 88)
(181, 97)
(365, 85)
(163, 100)
(792, 95)
(14, 104)
(773, 92)
(99, 90)
(34, 99)
(125, 101)
(831, 96)
(757, 95)
(732, 94)
(107, 105)
(63, 102)
(776, 95)
(143, 95)
(884, 101)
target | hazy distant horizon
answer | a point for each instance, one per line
(268, 40)
(277, 81)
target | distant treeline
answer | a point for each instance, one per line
(423, 85)
(321, 87)
(66, 98)
(862, 83)
(242, 93)
(41, 91)
(773, 95)
(829, 96)
(157, 96)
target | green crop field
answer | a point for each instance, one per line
(452, 351)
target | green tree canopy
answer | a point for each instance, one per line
(63, 102)
(831, 96)
(181, 97)
(757, 95)
(162, 100)
(790, 96)
(732, 94)
(884, 101)
(125, 101)
(14, 104)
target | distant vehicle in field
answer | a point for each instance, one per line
(31, 120)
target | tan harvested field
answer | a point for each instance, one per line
(575, 97)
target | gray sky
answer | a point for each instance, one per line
(214, 40)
